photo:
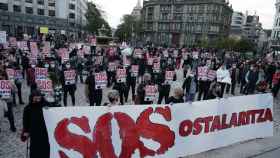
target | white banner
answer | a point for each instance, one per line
(157, 131)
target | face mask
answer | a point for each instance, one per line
(52, 65)
(46, 65)
(33, 66)
(67, 66)
(251, 68)
(6, 64)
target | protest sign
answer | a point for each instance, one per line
(22, 45)
(169, 76)
(156, 67)
(18, 75)
(70, 77)
(195, 55)
(150, 61)
(150, 92)
(202, 73)
(64, 55)
(171, 131)
(46, 49)
(45, 86)
(3, 37)
(165, 53)
(5, 89)
(134, 70)
(93, 41)
(99, 60)
(10, 73)
(112, 66)
(138, 53)
(34, 50)
(211, 75)
(13, 42)
(41, 73)
(121, 75)
(100, 80)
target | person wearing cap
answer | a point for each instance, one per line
(34, 127)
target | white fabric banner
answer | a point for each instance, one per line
(156, 130)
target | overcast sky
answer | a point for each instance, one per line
(115, 9)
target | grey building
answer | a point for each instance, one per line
(185, 22)
(252, 28)
(19, 17)
(237, 21)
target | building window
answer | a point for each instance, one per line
(41, 12)
(72, 16)
(29, 1)
(17, 8)
(51, 13)
(52, 4)
(4, 6)
(28, 10)
(72, 6)
(41, 2)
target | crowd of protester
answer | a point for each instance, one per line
(146, 73)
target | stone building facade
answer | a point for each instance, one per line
(185, 22)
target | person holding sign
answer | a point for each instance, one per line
(6, 96)
(93, 91)
(252, 79)
(18, 82)
(69, 83)
(203, 82)
(141, 97)
(131, 80)
(120, 83)
(168, 76)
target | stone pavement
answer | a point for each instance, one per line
(12, 147)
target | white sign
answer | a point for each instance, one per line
(45, 86)
(3, 37)
(70, 77)
(5, 89)
(121, 75)
(100, 80)
(134, 70)
(169, 75)
(150, 92)
(156, 130)
(41, 73)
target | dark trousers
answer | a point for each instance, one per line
(223, 86)
(122, 95)
(164, 93)
(203, 88)
(10, 115)
(131, 84)
(72, 94)
(231, 88)
(251, 88)
(110, 78)
(95, 99)
(243, 88)
(19, 93)
(275, 89)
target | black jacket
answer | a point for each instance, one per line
(34, 124)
